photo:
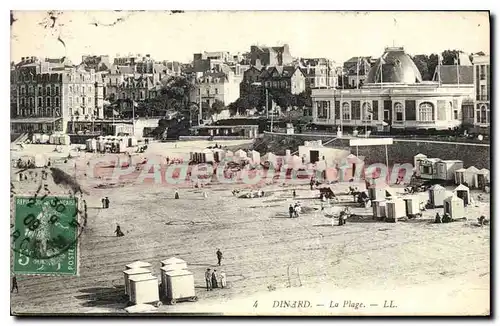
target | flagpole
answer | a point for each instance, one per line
(357, 74)
(439, 69)
(133, 117)
(267, 103)
(381, 70)
(366, 119)
(272, 121)
(342, 106)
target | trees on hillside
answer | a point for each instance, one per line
(427, 64)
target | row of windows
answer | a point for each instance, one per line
(71, 77)
(277, 84)
(83, 100)
(352, 111)
(40, 112)
(82, 111)
(54, 90)
(216, 91)
(48, 90)
(141, 94)
(80, 89)
(40, 102)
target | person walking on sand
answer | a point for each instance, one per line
(106, 202)
(14, 285)
(176, 196)
(118, 231)
(103, 201)
(214, 279)
(294, 194)
(219, 256)
(223, 282)
(291, 211)
(208, 279)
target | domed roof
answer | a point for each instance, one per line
(397, 67)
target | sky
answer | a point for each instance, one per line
(166, 36)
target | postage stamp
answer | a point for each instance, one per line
(45, 235)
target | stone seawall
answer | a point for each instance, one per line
(403, 151)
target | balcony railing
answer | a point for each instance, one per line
(482, 76)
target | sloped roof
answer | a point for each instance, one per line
(461, 187)
(437, 187)
(484, 171)
(138, 264)
(453, 197)
(420, 155)
(172, 260)
(472, 169)
(449, 74)
(125, 69)
(288, 71)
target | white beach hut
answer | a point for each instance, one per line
(131, 272)
(454, 206)
(378, 209)
(483, 178)
(144, 289)
(40, 160)
(416, 162)
(437, 195)
(463, 193)
(471, 176)
(254, 156)
(240, 153)
(412, 205)
(460, 176)
(180, 286)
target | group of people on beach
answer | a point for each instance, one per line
(214, 279)
(295, 210)
(105, 202)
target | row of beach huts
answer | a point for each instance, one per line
(53, 139)
(107, 143)
(451, 171)
(142, 288)
(395, 206)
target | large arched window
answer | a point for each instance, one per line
(484, 112)
(346, 112)
(398, 109)
(426, 112)
(367, 111)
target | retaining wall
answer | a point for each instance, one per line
(403, 151)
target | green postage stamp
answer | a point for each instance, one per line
(44, 235)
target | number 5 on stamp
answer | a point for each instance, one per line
(45, 236)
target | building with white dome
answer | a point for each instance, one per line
(394, 97)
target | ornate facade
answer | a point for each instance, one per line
(394, 96)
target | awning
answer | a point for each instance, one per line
(34, 120)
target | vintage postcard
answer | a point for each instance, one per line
(250, 163)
